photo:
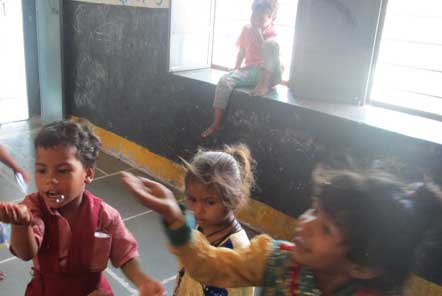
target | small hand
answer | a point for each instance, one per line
(152, 288)
(15, 214)
(154, 196)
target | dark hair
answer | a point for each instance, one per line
(266, 6)
(70, 134)
(381, 220)
(428, 219)
(230, 172)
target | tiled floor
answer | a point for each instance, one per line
(156, 260)
(17, 138)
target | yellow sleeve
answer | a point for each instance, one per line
(222, 267)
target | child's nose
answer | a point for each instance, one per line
(52, 179)
(198, 209)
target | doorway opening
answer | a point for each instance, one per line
(13, 86)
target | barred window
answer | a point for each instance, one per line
(408, 72)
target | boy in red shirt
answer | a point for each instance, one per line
(69, 233)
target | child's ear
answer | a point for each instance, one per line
(363, 272)
(90, 172)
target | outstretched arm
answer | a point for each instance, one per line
(222, 267)
(154, 196)
(214, 266)
(145, 284)
(9, 161)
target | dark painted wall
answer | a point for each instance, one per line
(116, 76)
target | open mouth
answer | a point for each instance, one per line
(199, 221)
(53, 195)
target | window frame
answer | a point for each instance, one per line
(183, 66)
(393, 107)
(299, 51)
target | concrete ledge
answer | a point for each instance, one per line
(407, 125)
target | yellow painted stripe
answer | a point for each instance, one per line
(417, 286)
(268, 220)
(256, 214)
(138, 156)
(134, 3)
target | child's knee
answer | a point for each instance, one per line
(226, 81)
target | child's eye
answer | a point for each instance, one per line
(40, 171)
(211, 202)
(63, 171)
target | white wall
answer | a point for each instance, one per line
(333, 48)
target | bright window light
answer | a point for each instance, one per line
(232, 15)
(409, 66)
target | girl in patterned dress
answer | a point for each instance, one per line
(358, 239)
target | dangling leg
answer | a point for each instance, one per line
(242, 77)
(218, 114)
(222, 96)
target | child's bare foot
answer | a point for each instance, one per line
(218, 114)
(210, 130)
(2, 275)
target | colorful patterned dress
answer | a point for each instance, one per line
(264, 263)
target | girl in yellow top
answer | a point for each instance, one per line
(217, 184)
(358, 239)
